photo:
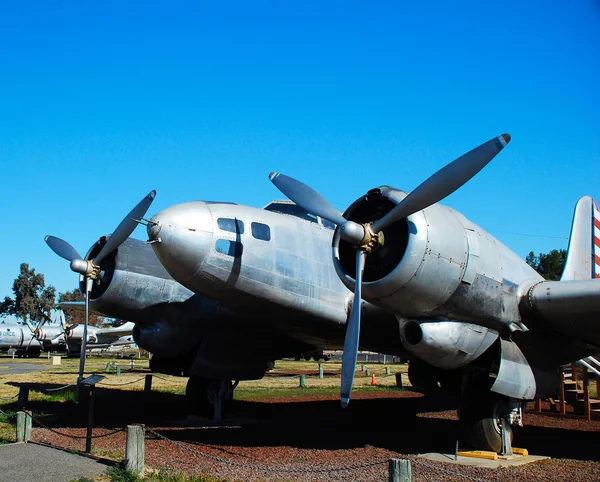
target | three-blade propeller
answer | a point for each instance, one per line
(365, 237)
(90, 269)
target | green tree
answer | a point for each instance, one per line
(74, 317)
(32, 298)
(550, 265)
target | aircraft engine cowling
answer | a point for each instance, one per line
(446, 343)
(421, 262)
(165, 340)
(131, 279)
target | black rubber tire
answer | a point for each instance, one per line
(480, 421)
(197, 394)
(201, 393)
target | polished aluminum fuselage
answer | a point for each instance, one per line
(284, 280)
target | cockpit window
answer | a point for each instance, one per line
(261, 231)
(231, 225)
(292, 209)
(230, 248)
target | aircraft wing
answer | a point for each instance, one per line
(123, 330)
(73, 305)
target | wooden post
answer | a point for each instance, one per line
(302, 381)
(586, 395)
(28, 426)
(538, 405)
(563, 408)
(320, 371)
(21, 426)
(134, 450)
(23, 397)
(574, 372)
(387, 370)
(399, 379)
(399, 470)
(148, 384)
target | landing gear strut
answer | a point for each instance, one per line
(209, 397)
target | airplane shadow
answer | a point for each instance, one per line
(403, 425)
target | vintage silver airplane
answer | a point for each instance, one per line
(29, 341)
(238, 286)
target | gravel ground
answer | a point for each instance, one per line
(312, 439)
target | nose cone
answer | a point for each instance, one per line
(183, 234)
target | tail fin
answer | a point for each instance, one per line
(583, 255)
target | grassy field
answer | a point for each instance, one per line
(284, 381)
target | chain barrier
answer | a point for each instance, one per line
(60, 388)
(445, 471)
(10, 398)
(75, 436)
(166, 379)
(308, 470)
(119, 384)
(9, 415)
(263, 468)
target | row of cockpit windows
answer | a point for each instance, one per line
(259, 230)
(235, 248)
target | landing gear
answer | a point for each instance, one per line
(486, 419)
(209, 397)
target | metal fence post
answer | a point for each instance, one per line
(400, 470)
(302, 381)
(134, 450)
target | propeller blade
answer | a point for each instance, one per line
(445, 181)
(62, 248)
(352, 333)
(306, 197)
(63, 322)
(125, 228)
(88, 288)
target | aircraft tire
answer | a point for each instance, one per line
(480, 421)
(201, 393)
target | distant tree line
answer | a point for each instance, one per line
(550, 265)
(32, 300)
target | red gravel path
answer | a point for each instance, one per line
(313, 439)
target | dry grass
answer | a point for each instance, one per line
(284, 378)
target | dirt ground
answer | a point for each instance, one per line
(306, 435)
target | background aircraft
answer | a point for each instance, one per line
(58, 337)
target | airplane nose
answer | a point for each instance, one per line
(182, 236)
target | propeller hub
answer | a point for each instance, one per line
(85, 268)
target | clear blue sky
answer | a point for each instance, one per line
(103, 101)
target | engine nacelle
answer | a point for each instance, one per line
(165, 339)
(435, 263)
(446, 343)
